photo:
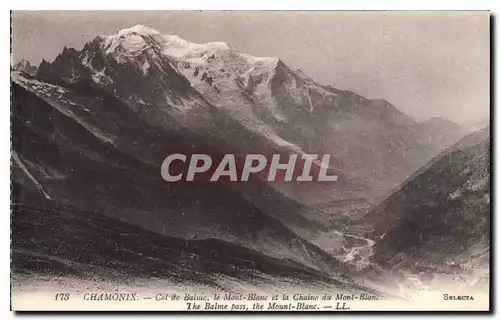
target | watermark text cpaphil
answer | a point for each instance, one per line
(241, 168)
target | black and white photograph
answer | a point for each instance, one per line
(250, 161)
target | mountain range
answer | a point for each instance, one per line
(242, 103)
(91, 129)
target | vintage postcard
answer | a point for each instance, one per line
(250, 161)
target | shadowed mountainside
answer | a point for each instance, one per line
(442, 213)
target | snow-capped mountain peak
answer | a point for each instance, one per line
(128, 43)
(138, 29)
(25, 66)
(23, 63)
(215, 70)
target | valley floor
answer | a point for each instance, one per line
(472, 279)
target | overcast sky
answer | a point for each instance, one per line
(426, 64)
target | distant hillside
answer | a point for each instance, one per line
(441, 214)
